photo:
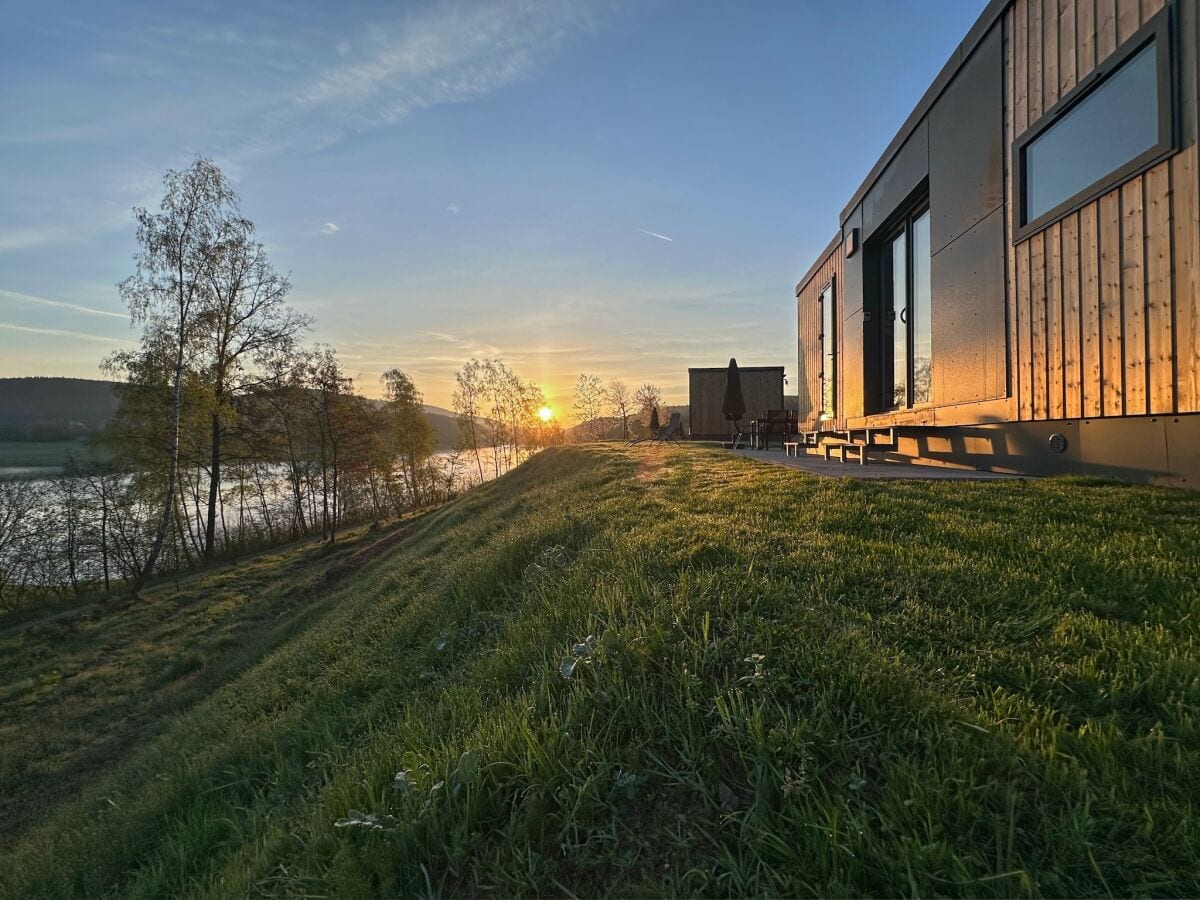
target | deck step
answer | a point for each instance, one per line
(869, 437)
(858, 450)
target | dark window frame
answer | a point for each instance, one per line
(1158, 30)
(901, 223)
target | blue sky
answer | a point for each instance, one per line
(445, 180)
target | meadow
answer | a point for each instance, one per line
(647, 671)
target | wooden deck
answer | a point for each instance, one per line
(815, 465)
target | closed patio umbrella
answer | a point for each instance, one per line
(733, 407)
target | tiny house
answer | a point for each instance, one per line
(762, 389)
(1016, 283)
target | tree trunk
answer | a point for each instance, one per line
(104, 533)
(214, 487)
(164, 522)
(475, 448)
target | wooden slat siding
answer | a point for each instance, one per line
(1089, 270)
(1049, 53)
(812, 351)
(1054, 330)
(1036, 61)
(801, 359)
(1010, 293)
(1037, 322)
(1085, 37)
(1025, 360)
(1112, 362)
(1133, 295)
(1185, 201)
(1072, 322)
(1129, 19)
(1024, 354)
(1067, 38)
(809, 311)
(1160, 365)
(1106, 29)
(1150, 7)
(1020, 66)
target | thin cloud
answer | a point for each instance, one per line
(661, 237)
(449, 53)
(25, 238)
(467, 345)
(453, 209)
(329, 228)
(59, 304)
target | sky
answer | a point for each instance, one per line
(617, 187)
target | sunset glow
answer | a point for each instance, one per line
(545, 414)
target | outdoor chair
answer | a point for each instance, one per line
(776, 421)
(669, 432)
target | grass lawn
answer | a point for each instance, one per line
(638, 671)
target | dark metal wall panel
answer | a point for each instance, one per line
(852, 268)
(966, 145)
(896, 183)
(808, 322)
(990, 15)
(851, 388)
(1183, 448)
(968, 315)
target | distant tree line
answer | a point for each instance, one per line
(53, 409)
(610, 411)
(499, 426)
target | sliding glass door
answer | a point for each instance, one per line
(920, 309)
(907, 301)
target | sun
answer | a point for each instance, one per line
(545, 414)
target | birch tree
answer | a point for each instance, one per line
(468, 398)
(245, 321)
(589, 405)
(409, 435)
(168, 293)
(620, 402)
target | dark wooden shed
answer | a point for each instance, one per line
(762, 389)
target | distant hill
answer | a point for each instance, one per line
(444, 424)
(54, 409)
(62, 409)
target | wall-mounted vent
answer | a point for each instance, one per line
(851, 242)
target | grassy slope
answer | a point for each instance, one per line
(799, 686)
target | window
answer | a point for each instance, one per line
(828, 354)
(906, 313)
(1116, 123)
(921, 313)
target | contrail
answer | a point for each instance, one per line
(42, 301)
(661, 237)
